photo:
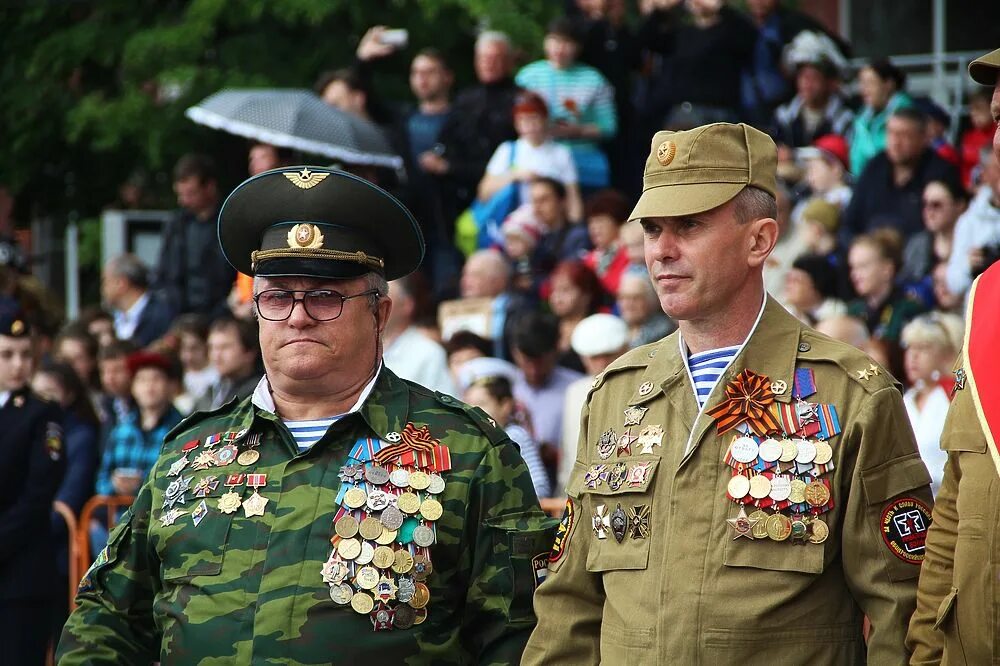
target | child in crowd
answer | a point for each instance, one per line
(191, 333)
(521, 233)
(978, 136)
(606, 212)
(826, 172)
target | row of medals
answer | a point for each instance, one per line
(805, 490)
(380, 557)
(175, 495)
(632, 521)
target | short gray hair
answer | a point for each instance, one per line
(131, 268)
(753, 203)
(493, 37)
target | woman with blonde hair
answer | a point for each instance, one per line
(931, 343)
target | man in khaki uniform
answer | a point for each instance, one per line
(755, 519)
(956, 621)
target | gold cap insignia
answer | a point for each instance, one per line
(306, 236)
(17, 327)
(665, 152)
(305, 179)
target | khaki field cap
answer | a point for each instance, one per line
(984, 69)
(700, 169)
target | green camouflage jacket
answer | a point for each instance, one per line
(195, 584)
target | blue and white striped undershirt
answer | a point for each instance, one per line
(706, 368)
(307, 433)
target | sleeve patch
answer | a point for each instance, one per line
(904, 526)
(561, 543)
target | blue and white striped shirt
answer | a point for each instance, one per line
(707, 367)
(307, 433)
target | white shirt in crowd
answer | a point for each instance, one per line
(126, 321)
(416, 357)
(550, 160)
(978, 226)
(928, 425)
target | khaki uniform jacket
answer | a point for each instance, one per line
(691, 594)
(957, 620)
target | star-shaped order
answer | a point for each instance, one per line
(178, 465)
(742, 524)
(254, 505)
(206, 486)
(204, 460)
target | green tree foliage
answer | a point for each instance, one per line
(90, 91)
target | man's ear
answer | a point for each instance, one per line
(762, 239)
(382, 315)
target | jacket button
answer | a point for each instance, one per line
(804, 346)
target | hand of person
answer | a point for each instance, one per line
(522, 175)
(976, 259)
(433, 163)
(371, 47)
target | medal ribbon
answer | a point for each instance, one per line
(748, 400)
(411, 439)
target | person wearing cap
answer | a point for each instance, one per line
(31, 469)
(746, 490)
(825, 171)
(818, 109)
(957, 599)
(339, 515)
(598, 340)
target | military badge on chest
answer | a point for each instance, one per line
(385, 525)
(780, 456)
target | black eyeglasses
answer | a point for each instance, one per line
(320, 304)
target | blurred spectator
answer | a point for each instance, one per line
(76, 346)
(932, 342)
(938, 122)
(521, 233)
(811, 290)
(462, 347)
(233, 352)
(946, 300)
(139, 315)
(115, 400)
(631, 238)
(606, 212)
(888, 191)
(979, 135)
(134, 443)
(881, 84)
(541, 384)
(818, 109)
(345, 89)
(562, 238)
(977, 232)
(481, 119)
(575, 293)
(494, 396)
(705, 44)
(408, 352)
(847, 329)
(764, 83)
(639, 308)
(943, 202)
(24, 294)
(487, 274)
(199, 375)
(826, 171)
(533, 154)
(99, 323)
(875, 260)
(598, 340)
(788, 247)
(580, 101)
(57, 382)
(192, 272)
(817, 231)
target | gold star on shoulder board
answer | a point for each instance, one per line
(864, 374)
(872, 368)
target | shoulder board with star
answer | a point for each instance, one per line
(634, 359)
(818, 348)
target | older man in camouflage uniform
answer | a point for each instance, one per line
(339, 515)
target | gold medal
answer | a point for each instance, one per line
(420, 616)
(254, 505)
(421, 596)
(760, 486)
(341, 594)
(820, 531)
(779, 527)
(370, 528)
(408, 503)
(797, 495)
(817, 494)
(824, 453)
(362, 603)
(346, 527)
(229, 502)
(367, 578)
(402, 562)
(758, 519)
(788, 450)
(383, 558)
(355, 497)
(431, 509)
(738, 487)
(248, 457)
(386, 537)
(348, 549)
(419, 480)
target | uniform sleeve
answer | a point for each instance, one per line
(511, 536)
(113, 620)
(885, 521)
(937, 571)
(46, 464)
(570, 603)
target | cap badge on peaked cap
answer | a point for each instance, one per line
(17, 327)
(665, 152)
(305, 236)
(305, 179)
